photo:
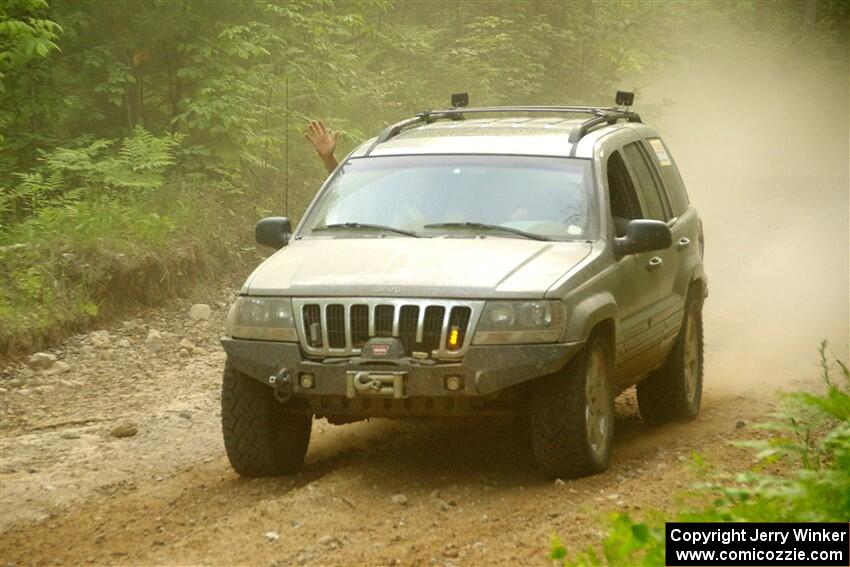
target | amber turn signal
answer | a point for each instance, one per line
(454, 338)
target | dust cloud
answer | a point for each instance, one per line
(762, 142)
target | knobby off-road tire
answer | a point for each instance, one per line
(261, 439)
(572, 415)
(674, 391)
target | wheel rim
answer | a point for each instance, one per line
(691, 359)
(598, 406)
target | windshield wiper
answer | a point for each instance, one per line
(484, 226)
(345, 225)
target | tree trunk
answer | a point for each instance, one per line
(140, 95)
(172, 89)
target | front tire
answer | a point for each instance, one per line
(674, 392)
(260, 437)
(572, 415)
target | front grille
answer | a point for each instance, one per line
(340, 327)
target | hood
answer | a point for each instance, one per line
(411, 267)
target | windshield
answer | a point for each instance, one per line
(433, 195)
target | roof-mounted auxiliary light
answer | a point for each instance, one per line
(460, 100)
(625, 98)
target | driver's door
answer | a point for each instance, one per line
(632, 283)
(659, 266)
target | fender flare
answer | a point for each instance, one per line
(588, 313)
(691, 273)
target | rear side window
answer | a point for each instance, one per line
(621, 194)
(646, 182)
(624, 203)
(670, 174)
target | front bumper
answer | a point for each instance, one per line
(484, 370)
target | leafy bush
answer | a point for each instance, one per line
(627, 543)
(810, 435)
(23, 35)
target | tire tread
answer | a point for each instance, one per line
(559, 435)
(260, 437)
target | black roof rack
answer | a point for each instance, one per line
(601, 115)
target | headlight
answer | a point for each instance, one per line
(261, 318)
(505, 322)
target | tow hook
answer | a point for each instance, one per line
(281, 383)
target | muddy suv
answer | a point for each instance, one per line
(525, 261)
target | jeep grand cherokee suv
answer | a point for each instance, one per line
(533, 261)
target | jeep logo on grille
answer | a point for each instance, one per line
(384, 289)
(380, 350)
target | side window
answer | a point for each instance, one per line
(621, 191)
(647, 185)
(670, 174)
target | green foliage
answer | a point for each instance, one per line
(33, 192)
(54, 278)
(24, 35)
(627, 543)
(237, 79)
(140, 162)
(61, 266)
(66, 175)
(810, 435)
(24, 38)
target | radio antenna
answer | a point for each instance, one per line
(286, 143)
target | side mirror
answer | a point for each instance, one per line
(273, 232)
(643, 235)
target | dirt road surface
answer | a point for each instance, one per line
(72, 493)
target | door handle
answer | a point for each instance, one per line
(683, 243)
(654, 263)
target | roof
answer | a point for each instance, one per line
(545, 136)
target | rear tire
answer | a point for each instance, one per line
(260, 437)
(674, 391)
(572, 415)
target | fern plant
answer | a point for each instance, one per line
(140, 161)
(34, 192)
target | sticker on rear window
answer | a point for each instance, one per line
(660, 151)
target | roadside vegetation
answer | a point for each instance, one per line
(801, 473)
(141, 139)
